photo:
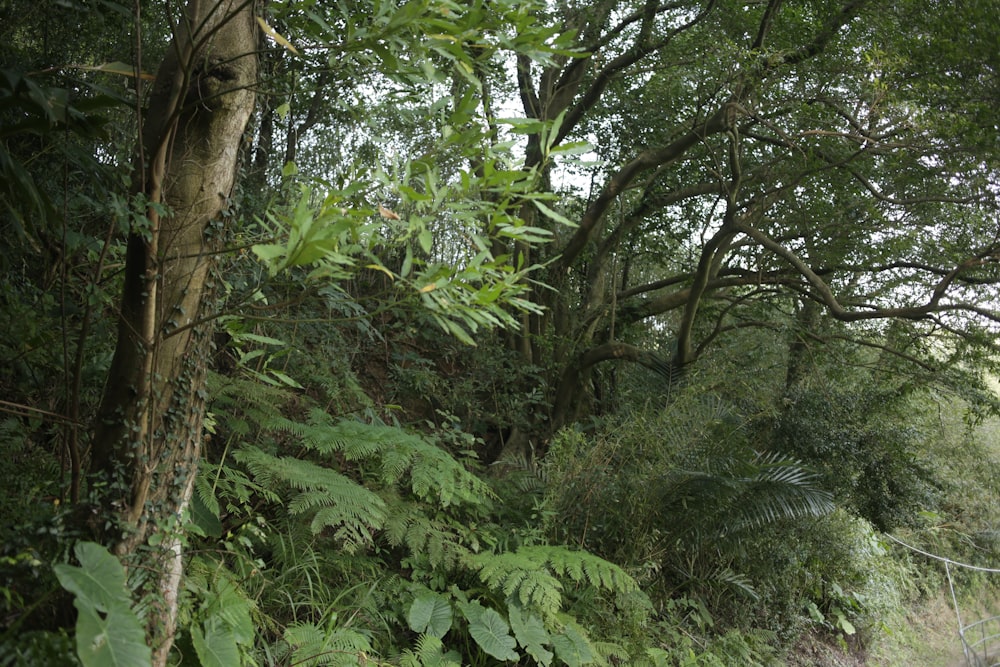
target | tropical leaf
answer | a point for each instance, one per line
(431, 614)
(334, 500)
(572, 645)
(490, 631)
(313, 646)
(529, 630)
(108, 632)
(430, 653)
(216, 646)
(531, 574)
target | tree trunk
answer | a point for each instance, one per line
(147, 441)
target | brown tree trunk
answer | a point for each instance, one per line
(147, 441)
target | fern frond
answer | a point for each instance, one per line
(313, 646)
(442, 545)
(732, 490)
(535, 590)
(531, 574)
(598, 572)
(434, 475)
(734, 580)
(340, 503)
(612, 653)
(430, 653)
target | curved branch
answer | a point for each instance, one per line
(606, 75)
(823, 293)
(566, 400)
(674, 300)
(847, 13)
(721, 121)
(765, 23)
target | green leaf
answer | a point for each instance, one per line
(529, 630)
(572, 647)
(114, 638)
(572, 148)
(268, 252)
(256, 338)
(430, 614)
(814, 613)
(228, 611)
(99, 581)
(549, 213)
(216, 647)
(552, 132)
(842, 623)
(108, 632)
(285, 379)
(204, 518)
(490, 631)
(523, 125)
(426, 240)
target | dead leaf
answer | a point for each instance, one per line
(273, 34)
(117, 68)
(388, 214)
(384, 270)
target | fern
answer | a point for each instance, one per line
(612, 653)
(440, 544)
(313, 646)
(429, 653)
(336, 501)
(532, 575)
(433, 474)
(241, 402)
(216, 483)
(732, 491)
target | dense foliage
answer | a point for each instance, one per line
(597, 333)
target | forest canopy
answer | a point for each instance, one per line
(432, 333)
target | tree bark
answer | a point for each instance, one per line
(147, 441)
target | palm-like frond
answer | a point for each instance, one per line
(740, 490)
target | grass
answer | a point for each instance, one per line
(928, 634)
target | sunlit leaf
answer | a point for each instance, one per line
(273, 34)
(117, 67)
(387, 213)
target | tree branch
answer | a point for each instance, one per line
(721, 121)
(823, 293)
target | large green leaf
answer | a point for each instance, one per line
(529, 630)
(228, 611)
(572, 646)
(430, 614)
(114, 638)
(216, 647)
(99, 581)
(490, 631)
(108, 632)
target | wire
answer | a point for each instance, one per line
(942, 558)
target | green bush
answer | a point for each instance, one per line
(869, 443)
(685, 499)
